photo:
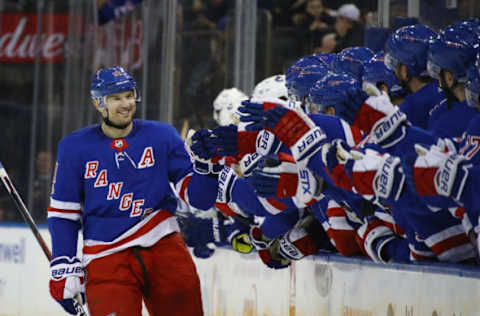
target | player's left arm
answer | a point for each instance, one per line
(198, 190)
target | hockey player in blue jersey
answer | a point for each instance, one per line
(237, 195)
(406, 55)
(112, 182)
(377, 78)
(443, 177)
(301, 137)
(351, 61)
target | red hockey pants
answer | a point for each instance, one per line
(116, 283)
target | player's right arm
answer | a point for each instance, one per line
(65, 211)
(64, 215)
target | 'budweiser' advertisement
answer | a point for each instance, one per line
(20, 42)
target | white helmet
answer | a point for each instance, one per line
(271, 88)
(225, 104)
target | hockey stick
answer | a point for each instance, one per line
(7, 183)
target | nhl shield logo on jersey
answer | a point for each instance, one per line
(119, 144)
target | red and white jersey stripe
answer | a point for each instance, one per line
(145, 233)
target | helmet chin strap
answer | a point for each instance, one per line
(111, 124)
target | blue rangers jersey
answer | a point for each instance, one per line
(418, 105)
(450, 120)
(119, 189)
(445, 121)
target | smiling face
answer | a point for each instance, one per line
(117, 113)
(121, 108)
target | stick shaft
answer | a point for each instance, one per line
(17, 199)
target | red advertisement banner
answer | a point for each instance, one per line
(19, 42)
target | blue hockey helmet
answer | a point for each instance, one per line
(327, 58)
(375, 72)
(409, 45)
(332, 90)
(298, 65)
(469, 22)
(351, 61)
(472, 87)
(454, 49)
(300, 85)
(112, 80)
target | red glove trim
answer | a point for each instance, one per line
(287, 185)
(246, 142)
(290, 128)
(424, 181)
(367, 117)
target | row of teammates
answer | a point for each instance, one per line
(357, 153)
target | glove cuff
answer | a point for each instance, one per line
(451, 177)
(373, 236)
(307, 145)
(226, 181)
(206, 167)
(389, 130)
(389, 179)
(372, 110)
(248, 163)
(309, 187)
(64, 267)
(267, 143)
(298, 242)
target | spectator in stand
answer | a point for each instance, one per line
(349, 29)
(281, 11)
(327, 45)
(313, 24)
(205, 14)
(42, 185)
(202, 61)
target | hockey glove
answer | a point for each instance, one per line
(268, 249)
(372, 237)
(348, 109)
(202, 148)
(266, 144)
(279, 176)
(224, 203)
(389, 130)
(67, 282)
(377, 177)
(198, 232)
(298, 242)
(372, 109)
(230, 141)
(253, 114)
(436, 173)
(388, 177)
(296, 130)
(334, 156)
